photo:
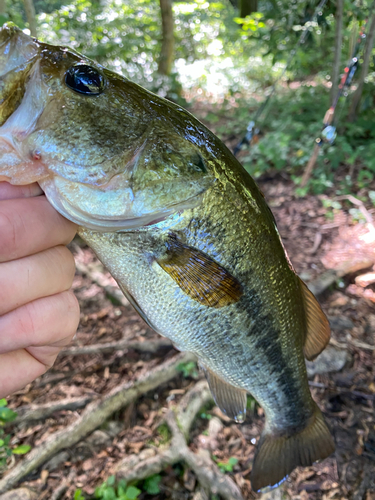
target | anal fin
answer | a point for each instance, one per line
(317, 326)
(231, 400)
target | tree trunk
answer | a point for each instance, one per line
(338, 48)
(2, 7)
(30, 16)
(248, 7)
(366, 62)
(167, 46)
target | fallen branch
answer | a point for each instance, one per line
(40, 412)
(361, 206)
(151, 346)
(355, 343)
(60, 491)
(358, 394)
(93, 417)
(153, 461)
(328, 278)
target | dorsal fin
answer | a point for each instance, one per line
(231, 400)
(199, 276)
(317, 325)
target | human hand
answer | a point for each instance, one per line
(38, 313)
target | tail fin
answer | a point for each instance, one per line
(278, 455)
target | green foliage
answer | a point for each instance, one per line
(293, 123)
(109, 490)
(188, 369)
(227, 466)
(151, 485)
(6, 450)
(332, 207)
(78, 495)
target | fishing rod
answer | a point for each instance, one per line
(251, 130)
(331, 118)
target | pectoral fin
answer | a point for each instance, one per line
(199, 276)
(318, 330)
(231, 400)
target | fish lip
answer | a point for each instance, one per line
(107, 225)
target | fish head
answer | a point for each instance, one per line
(108, 154)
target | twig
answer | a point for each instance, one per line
(310, 165)
(151, 346)
(317, 242)
(149, 462)
(356, 343)
(358, 394)
(59, 492)
(40, 412)
(361, 206)
(93, 417)
(328, 278)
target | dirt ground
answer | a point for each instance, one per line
(315, 241)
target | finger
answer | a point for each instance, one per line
(39, 275)
(8, 191)
(29, 226)
(17, 369)
(49, 322)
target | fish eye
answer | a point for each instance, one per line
(85, 79)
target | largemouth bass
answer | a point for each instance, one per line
(182, 228)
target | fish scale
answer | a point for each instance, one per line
(182, 228)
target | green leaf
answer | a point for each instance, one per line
(132, 493)
(7, 415)
(151, 485)
(233, 461)
(22, 449)
(111, 480)
(78, 495)
(109, 493)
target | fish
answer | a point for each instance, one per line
(180, 225)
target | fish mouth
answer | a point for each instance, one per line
(101, 213)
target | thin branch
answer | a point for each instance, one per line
(41, 412)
